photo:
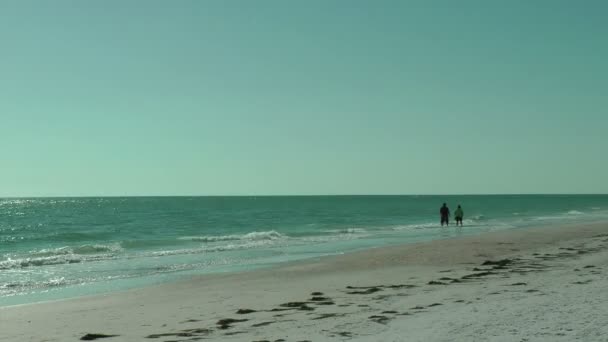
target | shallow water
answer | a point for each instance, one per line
(54, 248)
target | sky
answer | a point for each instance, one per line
(227, 97)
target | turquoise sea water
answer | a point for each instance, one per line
(54, 248)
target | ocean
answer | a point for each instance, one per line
(54, 248)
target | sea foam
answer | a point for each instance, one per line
(253, 236)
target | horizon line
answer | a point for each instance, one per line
(314, 195)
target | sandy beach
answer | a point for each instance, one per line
(284, 171)
(533, 284)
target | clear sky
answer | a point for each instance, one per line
(123, 97)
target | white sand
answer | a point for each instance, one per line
(558, 297)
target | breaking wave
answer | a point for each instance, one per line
(253, 236)
(61, 255)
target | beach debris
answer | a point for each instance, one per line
(226, 334)
(91, 337)
(434, 304)
(400, 286)
(316, 294)
(293, 304)
(306, 308)
(226, 323)
(327, 315)
(377, 288)
(519, 284)
(379, 319)
(296, 305)
(477, 275)
(326, 303)
(392, 286)
(367, 291)
(435, 282)
(389, 296)
(190, 321)
(501, 263)
(183, 333)
(245, 311)
(262, 324)
(322, 300)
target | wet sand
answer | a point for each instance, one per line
(535, 284)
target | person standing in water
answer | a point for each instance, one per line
(458, 214)
(445, 215)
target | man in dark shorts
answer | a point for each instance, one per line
(445, 215)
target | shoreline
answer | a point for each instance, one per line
(203, 301)
(319, 262)
(276, 266)
(113, 255)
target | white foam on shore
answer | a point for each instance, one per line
(214, 248)
(83, 249)
(50, 260)
(60, 255)
(13, 288)
(417, 226)
(238, 246)
(347, 231)
(265, 235)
